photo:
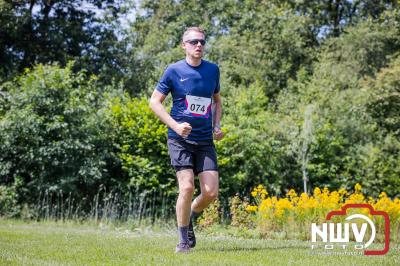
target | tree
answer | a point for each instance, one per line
(332, 17)
(346, 139)
(384, 102)
(273, 42)
(43, 31)
(268, 45)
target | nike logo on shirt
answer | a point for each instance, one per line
(182, 80)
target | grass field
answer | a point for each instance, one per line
(71, 244)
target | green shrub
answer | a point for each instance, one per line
(140, 139)
(52, 134)
(9, 199)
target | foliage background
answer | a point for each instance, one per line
(310, 89)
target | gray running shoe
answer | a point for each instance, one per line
(182, 248)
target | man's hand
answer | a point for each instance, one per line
(218, 134)
(183, 129)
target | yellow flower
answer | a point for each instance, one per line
(357, 187)
(291, 193)
(265, 205)
(251, 208)
(355, 198)
(263, 196)
(259, 192)
(342, 191)
(275, 212)
(371, 200)
(317, 192)
(383, 195)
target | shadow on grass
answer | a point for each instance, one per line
(241, 248)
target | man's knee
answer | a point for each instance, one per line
(210, 194)
(186, 189)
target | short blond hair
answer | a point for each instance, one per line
(196, 29)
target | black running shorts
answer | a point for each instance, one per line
(197, 155)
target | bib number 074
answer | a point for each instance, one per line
(197, 108)
(197, 105)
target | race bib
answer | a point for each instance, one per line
(197, 105)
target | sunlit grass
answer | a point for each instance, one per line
(89, 244)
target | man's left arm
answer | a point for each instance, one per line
(217, 106)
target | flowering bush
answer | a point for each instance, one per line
(210, 216)
(240, 216)
(294, 214)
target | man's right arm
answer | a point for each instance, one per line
(156, 100)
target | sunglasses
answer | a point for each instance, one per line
(196, 41)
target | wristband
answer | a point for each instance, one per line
(217, 127)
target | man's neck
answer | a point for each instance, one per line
(193, 61)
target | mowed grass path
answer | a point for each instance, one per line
(68, 244)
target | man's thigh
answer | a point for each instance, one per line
(185, 179)
(209, 181)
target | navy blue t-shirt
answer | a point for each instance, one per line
(192, 89)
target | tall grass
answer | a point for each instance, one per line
(105, 206)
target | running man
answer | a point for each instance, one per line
(195, 116)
